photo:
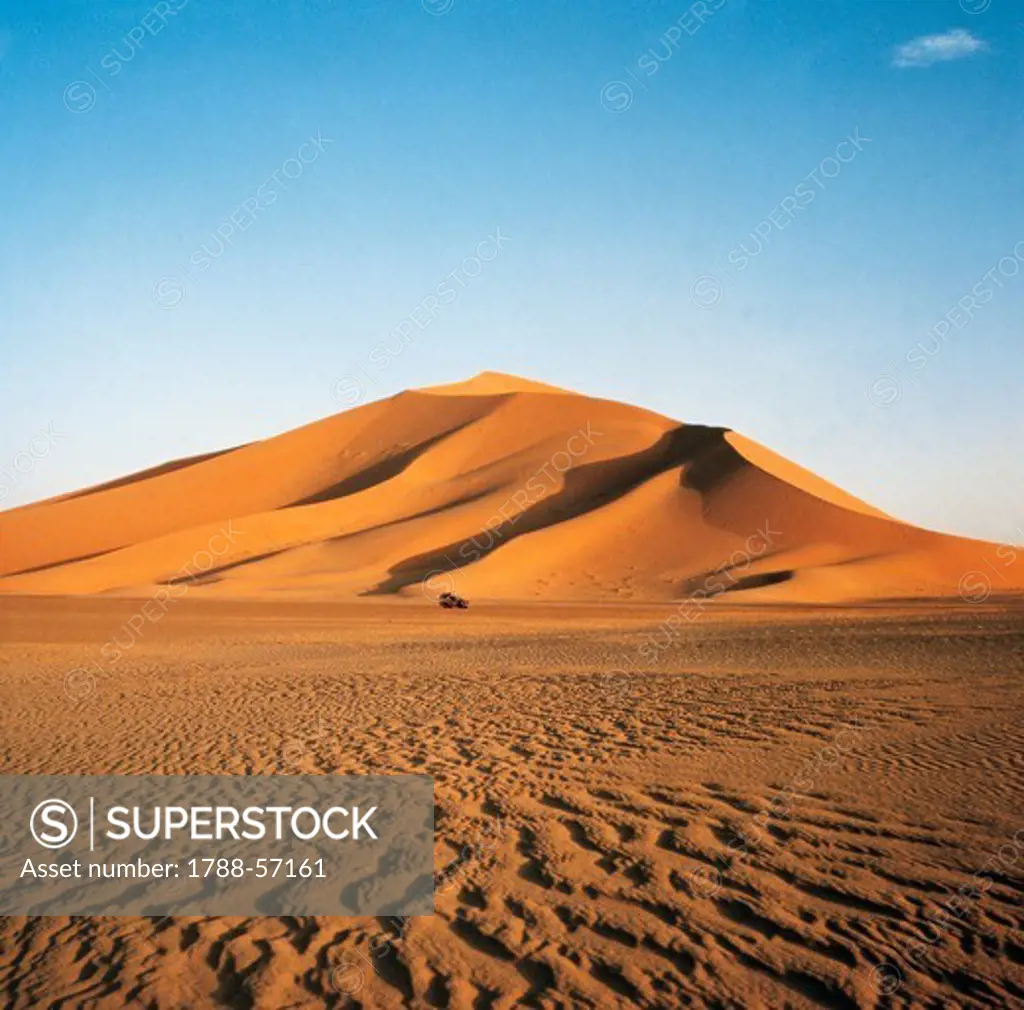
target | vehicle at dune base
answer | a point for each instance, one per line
(452, 601)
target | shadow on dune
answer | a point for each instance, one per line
(396, 463)
(709, 461)
(212, 575)
(718, 581)
(134, 478)
(57, 564)
(377, 473)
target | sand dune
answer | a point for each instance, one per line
(499, 487)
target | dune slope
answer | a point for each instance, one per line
(498, 488)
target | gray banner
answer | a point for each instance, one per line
(217, 845)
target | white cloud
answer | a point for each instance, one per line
(956, 44)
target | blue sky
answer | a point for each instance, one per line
(795, 219)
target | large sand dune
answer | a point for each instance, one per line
(498, 487)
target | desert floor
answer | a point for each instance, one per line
(781, 808)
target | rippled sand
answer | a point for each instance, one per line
(779, 809)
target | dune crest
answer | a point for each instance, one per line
(498, 487)
(491, 383)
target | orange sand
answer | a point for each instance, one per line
(499, 488)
